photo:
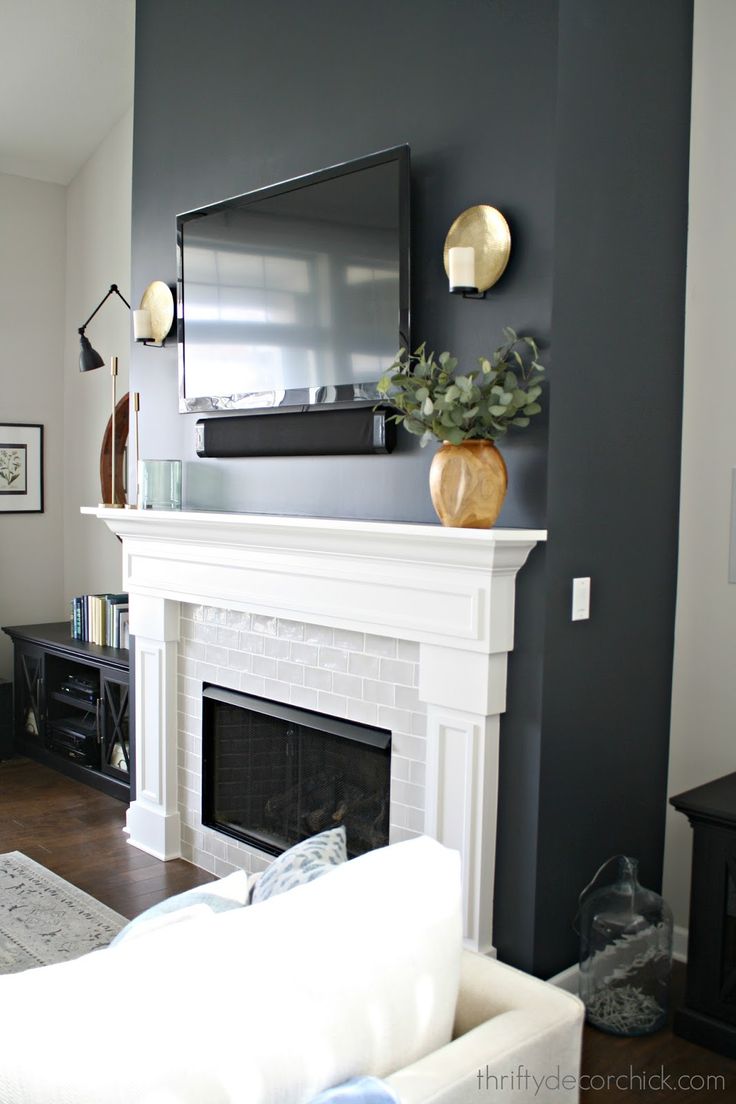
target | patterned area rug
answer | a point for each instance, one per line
(44, 919)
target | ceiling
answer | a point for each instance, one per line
(66, 78)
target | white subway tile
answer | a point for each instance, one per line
(332, 704)
(241, 661)
(268, 626)
(277, 648)
(333, 659)
(191, 687)
(408, 650)
(407, 697)
(381, 692)
(264, 665)
(227, 637)
(228, 678)
(290, 630)
(305, 653)
(253, 684)
(400, 768)
(399, 835)
(186, 629)
(410, 746)
(251, 642)
(318, 678)
(418, 773)
(205, 633)
(380, 646)
(320, 635)
(397, 671)
(407, 794)
(349, 641)
(216, 655)
(347, 685)
(277, 691)
(201, 858)
(419, 724)
(362, 712)
(223, 868)
(396, 720)
(238, 620)
(207, 672)
(291, 672)
(304, 698)
(365, 666)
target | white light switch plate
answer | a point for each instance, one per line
(581, 599)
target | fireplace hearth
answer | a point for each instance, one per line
(274, 774)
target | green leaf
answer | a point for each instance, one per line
(455, 436)
(497, 411)
(521, 422)
(532, 408)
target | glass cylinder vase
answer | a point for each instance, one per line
(161, 484)
(625, 951)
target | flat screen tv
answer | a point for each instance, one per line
(296, 295)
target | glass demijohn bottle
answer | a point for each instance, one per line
(625, 951)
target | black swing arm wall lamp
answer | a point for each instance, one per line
(89, 359)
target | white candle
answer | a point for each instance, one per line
(462, 266)
(142, 330)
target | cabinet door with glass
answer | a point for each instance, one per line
(29, 695)
(114, 724)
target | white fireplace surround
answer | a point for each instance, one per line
(451, 591)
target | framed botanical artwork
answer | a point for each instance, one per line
(21, 468)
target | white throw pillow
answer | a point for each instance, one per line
(353, 974)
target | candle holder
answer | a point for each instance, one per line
(477, 249)
(154, 319)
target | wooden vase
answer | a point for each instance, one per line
(468, 484)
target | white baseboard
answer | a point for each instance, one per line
(568, 979)
(679, 944)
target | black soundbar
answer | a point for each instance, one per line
(355, 431)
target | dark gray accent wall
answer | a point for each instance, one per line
(572, 117)
(623, 110)
(234, 95)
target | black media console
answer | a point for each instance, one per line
(72, 706)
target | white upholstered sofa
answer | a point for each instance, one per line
(360, 972)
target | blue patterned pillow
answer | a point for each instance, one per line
(219, 896)
(359, 1090)
(302, 863)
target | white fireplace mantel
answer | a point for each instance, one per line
(450, 590)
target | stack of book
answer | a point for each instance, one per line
(101, 619)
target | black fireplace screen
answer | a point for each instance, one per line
(274, 775)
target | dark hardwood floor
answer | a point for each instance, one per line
(77, 832)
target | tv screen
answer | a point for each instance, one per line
(296, 294)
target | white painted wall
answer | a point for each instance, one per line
(98, 255)
(703, 740)
(32, 266)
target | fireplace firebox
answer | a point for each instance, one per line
(273, 775)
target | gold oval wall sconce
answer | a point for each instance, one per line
(154, 319)
(477, 249)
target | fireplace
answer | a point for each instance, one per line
(273, 775)
(422, 619)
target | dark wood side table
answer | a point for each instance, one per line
(708, 1016)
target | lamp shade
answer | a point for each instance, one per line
(89, 358)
